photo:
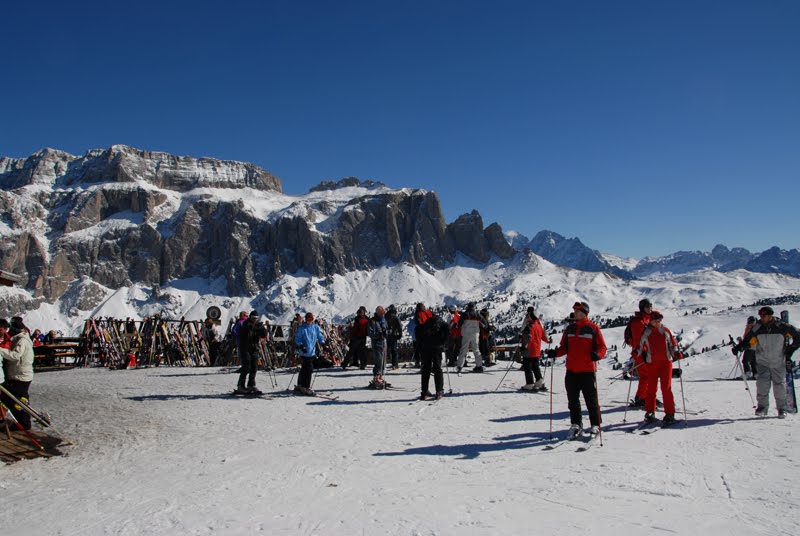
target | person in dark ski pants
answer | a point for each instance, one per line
(584, 345)
(531, 338)
(357, 348)
(749, 365)
(773, 356)
(249, 335)
(378, 330)
(659, 349)
(18, 362)
(394, 335)
(308, 337)
(432, 337)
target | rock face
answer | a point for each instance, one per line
(571, 252)
(121, 215)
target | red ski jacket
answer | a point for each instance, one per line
(659, 344)
(359, 329)
(638, 323)
(537, 335)
(579, 340)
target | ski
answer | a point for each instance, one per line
(249, 395)
(592, 441)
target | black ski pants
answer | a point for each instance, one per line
(249, 362)
(357, 352)
(306, 371)
(749, 362)
(20, 391)
(530, 365)
(432, 360)
(586, 383)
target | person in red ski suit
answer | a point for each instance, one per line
(638, 324)
(657, 347)
(584, 345)
(531, 337)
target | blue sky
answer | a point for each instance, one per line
(641, 127)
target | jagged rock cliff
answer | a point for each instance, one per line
(121, 215)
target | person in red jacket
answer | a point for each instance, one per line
(357, 349)
(584, 345)
(638, 324)
(531, 337)
(658, 349)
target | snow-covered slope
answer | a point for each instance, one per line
(167, 451)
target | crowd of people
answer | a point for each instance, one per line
(767, 347)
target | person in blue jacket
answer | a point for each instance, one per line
(306, 340)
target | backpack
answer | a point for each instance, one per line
(627, 339)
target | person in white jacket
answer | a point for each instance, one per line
(19, 369)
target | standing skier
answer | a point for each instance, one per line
(378, 330)
(308, 337)
(19, 370)
(432, 339)
(470, 323)
(584, 345)
(768, 338)
(633, 337)
(658, 349)
(531, 338)
(394, 335)
(249, 335)
(749, 365)
(357, 348)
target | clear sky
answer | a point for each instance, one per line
(641, 127)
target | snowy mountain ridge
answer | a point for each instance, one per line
(126, 232)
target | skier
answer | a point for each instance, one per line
(658, 349)
(19, 369)
(633, 332)
(584, 345)
(308, 337)
(249, 335)
(749, 355)
(454, 342)
(470, 323)
(394, 335)
(486, 342)
(378, 330)
(768, 338)
(432, 338)
(357, 347)
(531, 338)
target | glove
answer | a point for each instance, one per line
(595, 356)
(678, 356)
(735, 349)
(550, 352)
(646, 356)
(789, 365)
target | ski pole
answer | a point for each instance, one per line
(625, 415)
(510, 363)
(744, 378)
(22, 428)
(597, 401)
(447, 366)
(683, 398)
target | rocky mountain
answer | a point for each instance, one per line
(122, 216)
(571, 252)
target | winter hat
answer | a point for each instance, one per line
(452, 308)
(253, 314)
(17, 325)
(391, 309)
(361, 309)
(751, 319)
(767, 310)
(582, 306)
(655, 315)
(644, 303)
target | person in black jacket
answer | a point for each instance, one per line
(249, 334)
(432, 339)
(394, 335)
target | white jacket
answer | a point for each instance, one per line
(20, 358)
